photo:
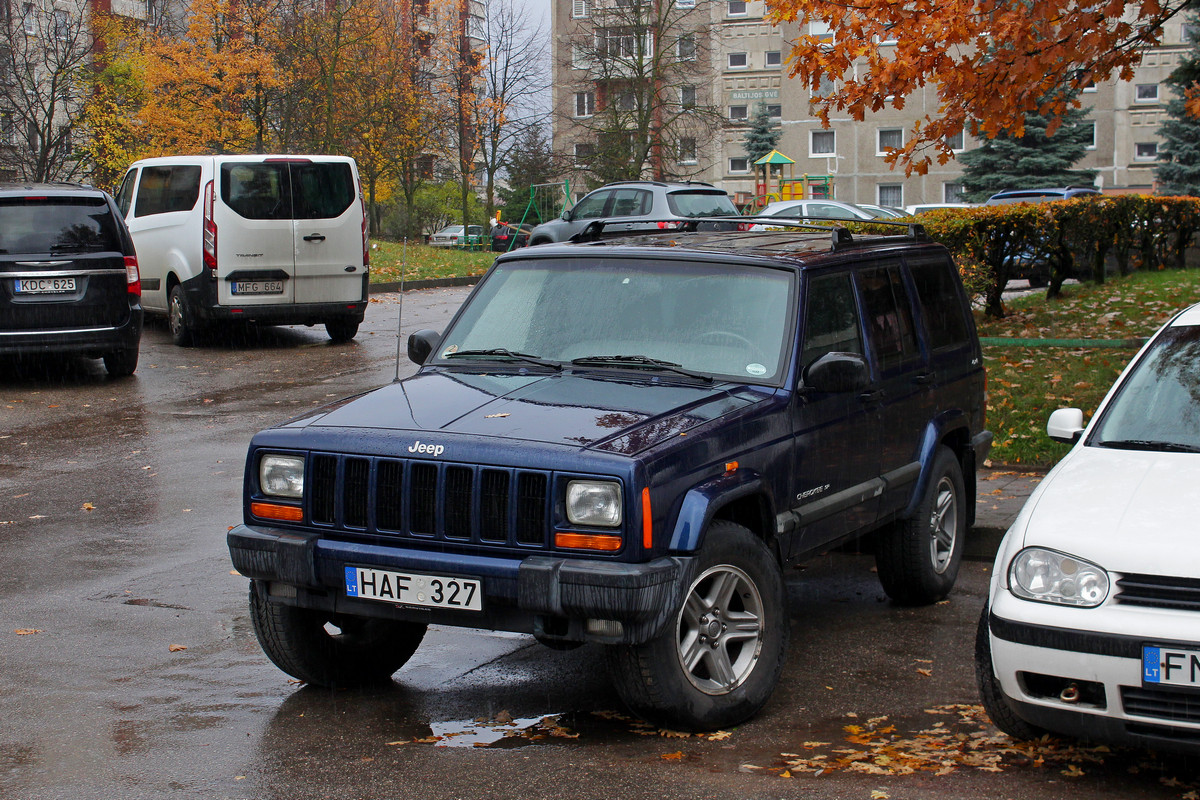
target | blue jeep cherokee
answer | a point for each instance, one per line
(625, 442)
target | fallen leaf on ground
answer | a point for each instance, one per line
(676, 756)
(27, 631)
(176, 648)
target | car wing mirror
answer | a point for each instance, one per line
(1065, 425)
(421, 344)
(566, 215)
(837, 372)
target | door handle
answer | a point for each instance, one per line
(314, 237)
(873, 396)
(923, 378)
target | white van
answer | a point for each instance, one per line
(278, 240)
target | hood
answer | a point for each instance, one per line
(1128, 511)
(584, 410)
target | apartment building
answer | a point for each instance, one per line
(745, 68)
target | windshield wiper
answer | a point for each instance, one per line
(638, 362)
(506, 355)
(1149, 444)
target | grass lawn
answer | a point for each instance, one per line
(1026, 383)
(422, 262)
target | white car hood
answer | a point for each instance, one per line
(1125, 510)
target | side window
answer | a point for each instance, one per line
(592, 206)
(827, 211)
(124, 196)
(166, 189)
(321, 190)
(937, 291)
(256, 191)
(888, 315)
(631, 203)
(830, 319)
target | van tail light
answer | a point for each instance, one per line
(133, 278)
(366, 242)
(743, 226)
(210, 230)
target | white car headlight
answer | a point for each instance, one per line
(594, 503)
(1047, 576)
(281, 476)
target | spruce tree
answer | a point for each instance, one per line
(762, 137)
(1179, 170)
(1031, 161)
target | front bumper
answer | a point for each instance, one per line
(548, 596)
(1036, 662)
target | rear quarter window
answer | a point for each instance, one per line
(166, 189)
(701, 204)
(937, 290)
(57, 225)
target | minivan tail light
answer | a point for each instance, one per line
(133, 278)
(210, 229)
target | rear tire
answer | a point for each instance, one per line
(718, 661)
(365, 650)
(341, 330)
(918, 558)
(995, 702)
(121, 363)
(179, 318)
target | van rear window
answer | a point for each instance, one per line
(166, 189)
(57, 225)
(288, 190)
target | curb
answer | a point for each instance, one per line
(433, 283)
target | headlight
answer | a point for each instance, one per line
(1049, 577)
(594, 503)
(281, 476)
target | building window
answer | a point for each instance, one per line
(685, 47)
(956, 143)
(28, 19)
(822, 143)
(62, 25)
(1145, 151)
(773, 58)
(581, 8)
(1146, 93)
(890, 194)
(584, 152)
(685, 3)
(824, 89)
(889, 36)
(737, 8)
(774, 111)
(821, 31)
(687, 150)
(581, 57)
(738, 61)
(889, 137)
(741, 164)
(1090, 135)
(687, 96)
(952, 193)
(627, 101)
(622, 43)
(585, 104)
(738, 113)
(1189, 32)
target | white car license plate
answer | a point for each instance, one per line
(1170, 666)
(257, 287)
(44, 285)
(431, 591)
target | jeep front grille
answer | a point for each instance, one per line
(424, 500)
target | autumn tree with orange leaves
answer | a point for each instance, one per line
(991, 62)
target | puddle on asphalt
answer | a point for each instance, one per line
(501, 732)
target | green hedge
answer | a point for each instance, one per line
(1083, 238)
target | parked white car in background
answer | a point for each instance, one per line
(1092, 627)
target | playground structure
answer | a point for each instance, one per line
(775, 179)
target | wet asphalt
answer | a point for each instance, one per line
(128, 668)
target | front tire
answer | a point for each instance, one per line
(717, 663)
(995, 702)
(364, 650)
(918, 558)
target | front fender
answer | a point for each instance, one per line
(702, 502)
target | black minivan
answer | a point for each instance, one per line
(69, 280)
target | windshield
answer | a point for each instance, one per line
(724, 321)
(1158, 404)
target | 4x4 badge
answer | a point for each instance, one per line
(431, 449)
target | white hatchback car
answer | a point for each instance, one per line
(1092, 626)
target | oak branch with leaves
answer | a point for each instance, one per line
(991, 62)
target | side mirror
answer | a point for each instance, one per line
(421, 344)
(837, 372)
(1065, 425)
(566, 215)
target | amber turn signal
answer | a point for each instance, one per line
(587, 541)
(277, 511)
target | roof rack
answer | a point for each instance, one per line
(842, 238)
